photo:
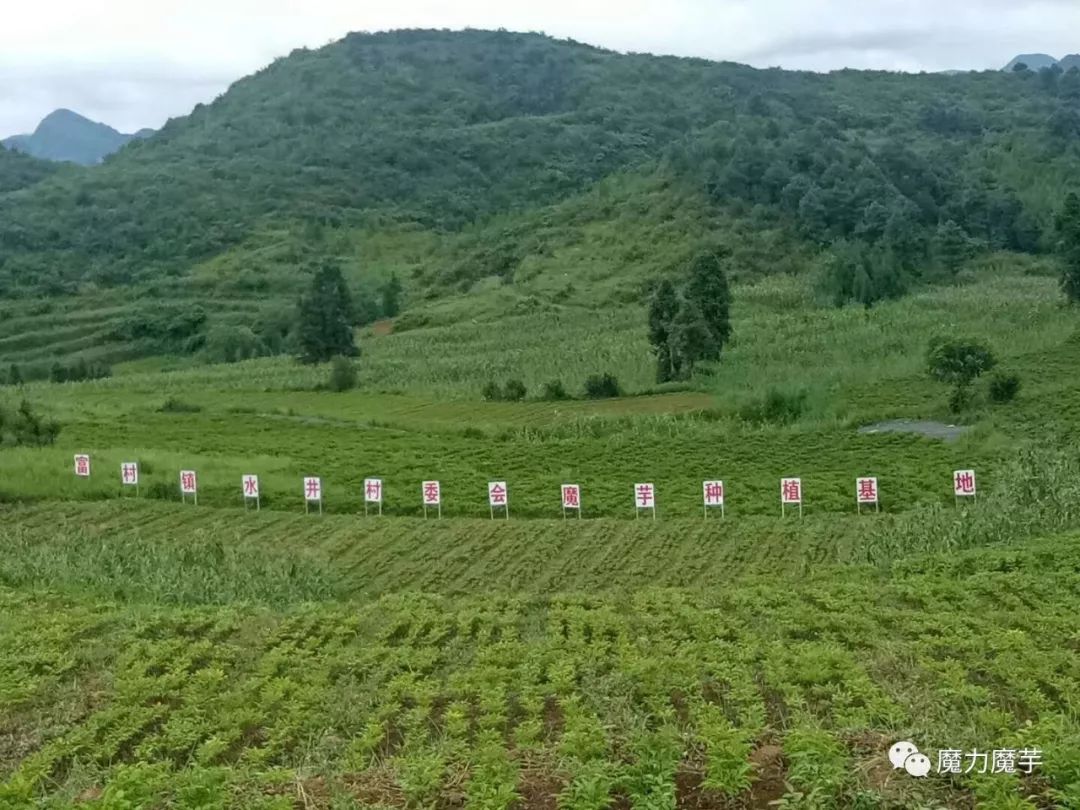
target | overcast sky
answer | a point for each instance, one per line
(135, 63)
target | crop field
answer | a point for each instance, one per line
(159, 654)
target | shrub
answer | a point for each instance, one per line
(1004, 388)
(174, 405)
(602, 386)
(554, 391)
(342, 374)
(775, 408)
(23, 427)
(514, 391)
(491, 392)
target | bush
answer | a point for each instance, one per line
(602, 386)
(514, 391)
(343, 375)
(491, 392)
(23, 427)
(174, 405)
(1004, 388)
(554, 391)
(775, 408)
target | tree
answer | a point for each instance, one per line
(391, 297)
(1069, 247)
(324, 328)
(691, 339)
(952, 246)
(342, 374)
(708, 289)
(958, 362)
(14, 375)
(662, 309)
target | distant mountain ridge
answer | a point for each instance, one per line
(1040, 61)
(64, 135)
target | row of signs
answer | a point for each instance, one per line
(791, 489)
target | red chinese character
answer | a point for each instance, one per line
(431, 492)
(82, 465)
(129, 473)
(965, 483)
(187, 482)
(867, 490)
(792, 490)
(714, 492)
(251, 485)
(373, 490)
(498, 494)
(644, 496)
(311, 489)
(571, 496)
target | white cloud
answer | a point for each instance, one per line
(134, 64)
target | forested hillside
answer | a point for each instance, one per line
(879, 181)
(19, 171)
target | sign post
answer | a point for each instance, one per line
(498, 496)
(571, 499)
(431, 493)
(790, 495)
(964, 485)
(129, 475)
(82, 466)
(713, 492)
(866, 493)
(189, 485)
(644, 498)
(373, 493)
(250, 489)
(312, 493)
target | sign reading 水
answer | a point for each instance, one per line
(250, 487)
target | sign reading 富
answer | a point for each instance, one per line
(82, 466)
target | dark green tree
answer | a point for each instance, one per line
(959, 363)
(324, 328)
(691, 339)
(708, 289)
(391, 297)
(662, 309)
(14, 375)
(1069, 247)
(951, 246)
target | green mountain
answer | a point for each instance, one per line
(19, 171)
(64, 135)
(1034, 61)
(457, 160)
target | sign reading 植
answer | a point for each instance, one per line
(964, 483)
(791, 491)
(866, 490)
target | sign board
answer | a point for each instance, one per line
(790, 494)
(644, 498)
(312, 493)
(250, 487)
(373, 493)
(866, 492)
(571, 498)
(431, 493)
(498, 497)
(964, 484)
(189, 485)
(129, 474)
(713, 495)
(82, 466)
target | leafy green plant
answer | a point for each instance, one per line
(602, 386)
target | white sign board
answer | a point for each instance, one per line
(713, 492)
(497, 493)
(571, 496)
(373, 490)
(129, 474)
(964, 483)
(866, 490)
(791, 491)
(432, 493)
(82, 466)
(313, 490)
(644, 496)
(250, 485)
(189, 483)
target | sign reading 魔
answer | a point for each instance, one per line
(571, 498)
